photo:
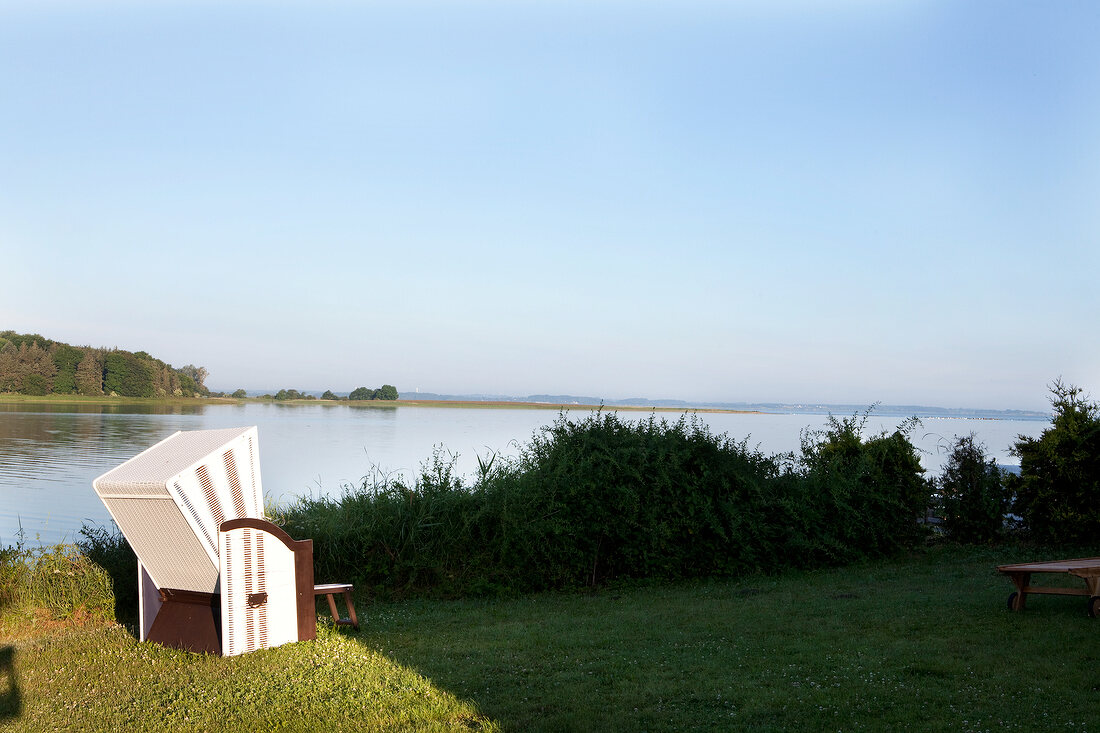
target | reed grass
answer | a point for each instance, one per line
(50, 583)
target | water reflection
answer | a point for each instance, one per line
(51, 452)
(46, 456)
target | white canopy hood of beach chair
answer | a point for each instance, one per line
(170, 500)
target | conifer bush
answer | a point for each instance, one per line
(1058, 489)
(973, 495)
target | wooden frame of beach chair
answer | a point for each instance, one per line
(213, 574)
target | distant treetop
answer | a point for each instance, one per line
(385, 392)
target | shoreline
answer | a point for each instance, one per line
(502, 404)
(14, 398)
(9, 398)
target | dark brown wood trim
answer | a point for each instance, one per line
(188, 620)
(175, 595)
(303, 582)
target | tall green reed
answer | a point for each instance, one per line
(58, 579)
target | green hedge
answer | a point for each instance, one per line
(604, 499)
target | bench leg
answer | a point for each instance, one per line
(1018, 600)
(352, 619)
(332, 607)
(1092, 582)
(351, 609)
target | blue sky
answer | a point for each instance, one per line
(808, 201)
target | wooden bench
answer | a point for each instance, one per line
(329, 590)
(1086, 568)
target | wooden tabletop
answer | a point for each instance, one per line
(1087, 565)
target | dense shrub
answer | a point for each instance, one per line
(973, 496)
(867, 495)
(600, 499)
(604, 498)
(1058, 489)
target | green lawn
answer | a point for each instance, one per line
(103, 679)
(923, 643)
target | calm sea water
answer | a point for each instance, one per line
(49, 453)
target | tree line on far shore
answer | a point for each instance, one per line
(31, 364)
(385, 392)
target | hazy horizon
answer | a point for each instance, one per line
(413, 394)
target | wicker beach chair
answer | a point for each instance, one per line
(214, 575)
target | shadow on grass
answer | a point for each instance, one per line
(889, 643)
(11, 704)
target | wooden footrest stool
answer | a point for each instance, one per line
(330, 590)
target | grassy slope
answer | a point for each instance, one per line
(104, 680)
(923, 643)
